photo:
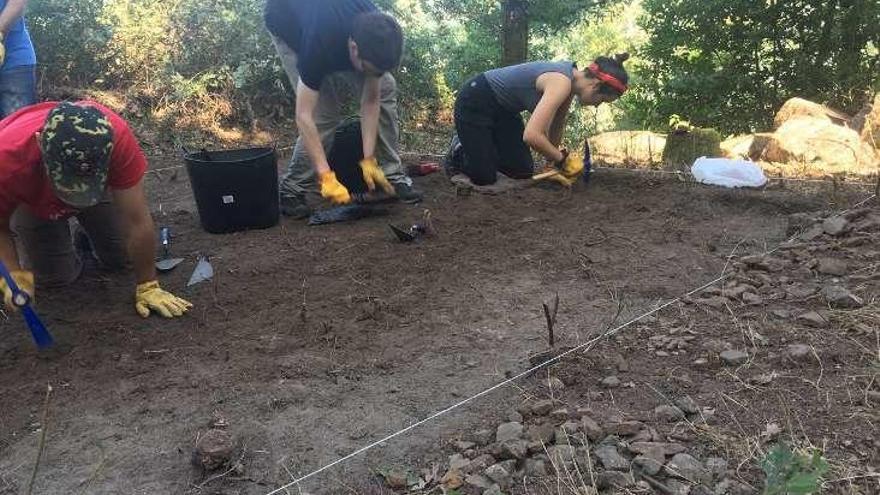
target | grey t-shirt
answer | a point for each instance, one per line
(515, 86)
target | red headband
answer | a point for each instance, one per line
(607, 78)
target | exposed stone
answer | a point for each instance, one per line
(480, 463)
(732, 487)
(668, 413)
(542, 407)
(535, 467)
(626, 428)
(515, 417)
(813, 319)
(688, 405)
(753, 299)
(799, 352)
(733, 357)
(541, 433)
(562, 455)
(555, 384)
(839, 297)
(214, 449)
(500, 475)
(592, 429)
(483, 437)
(658, 450)
(396, 479)
(821, 146)
(610, 382)
(835, 226)
(611, 458)
(687, 467)
(795, 108)
(678, 487)
(833, 266)
(614, 479)
(514, 449)
(800, 291)
(462, 445)
(452, 480)
(717, 467)
(458, 462)
(763, 262)
(508, 431)
(648, 465)
(559, 415)
(494, 490)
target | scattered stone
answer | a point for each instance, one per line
(535, 467)
(839, 297)
(452, 480)
(701, 362)
(500, 475)
(610, 382)
(541, 433)
(688, 405)
(396, 479)
(542, 407)
(832, 266)
(717, 467)
(799, 352)
(592, 429)
(614, 479)
(611, 458)
(813, 319)
(812, 233)
(494, 490)
(657, 450)
(732, 487)
(763, 379)
(716, 302)
(835, 226)
(677, 487)
(626, 428)
(514, 449)
(515, 417)
(559, 415)
(214, 449)
(685, 466)
(480, 463)
(648, 465)
(764, 263)
(782, 314)
(562, 455)
(458, 462)
(555, 384)
(479, 482)
(483, 437)
(462, 445)
(753, 299)
(668, 413)
(801, 291)
(733, 357)
(508, 431)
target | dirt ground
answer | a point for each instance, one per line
(314, 341)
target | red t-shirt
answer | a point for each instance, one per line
(23, 178)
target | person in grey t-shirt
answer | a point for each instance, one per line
(490, 129)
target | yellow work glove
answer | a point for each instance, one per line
(2, 50)
(562, 179)
(333, 190)
(572, 166)
(24, 280)
(150, 296)
(373, 175)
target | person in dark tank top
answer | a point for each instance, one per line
(491, 136)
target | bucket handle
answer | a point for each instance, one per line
(203, 152)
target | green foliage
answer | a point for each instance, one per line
(685, 146)
(731, 63)
(69, 39)
(792, 473)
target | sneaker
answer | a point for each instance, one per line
(454, 157)
(294, 207)
(406, 193)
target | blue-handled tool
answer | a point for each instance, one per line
(22, 301)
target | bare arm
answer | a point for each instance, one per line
(306, 101)
(370, 115)
(7, 247)
(557, 89)
(12, 12)
(140, 231)
(557, 128)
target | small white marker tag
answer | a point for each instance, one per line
(228, 200)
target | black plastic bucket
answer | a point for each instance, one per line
(346, 154)
(235, 189)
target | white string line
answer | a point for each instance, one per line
(533, 369)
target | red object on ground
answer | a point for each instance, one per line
(424, 168)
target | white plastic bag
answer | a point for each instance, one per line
(728, 173)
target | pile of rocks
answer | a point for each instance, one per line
(545, 440)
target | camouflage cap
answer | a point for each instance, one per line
(77, 142)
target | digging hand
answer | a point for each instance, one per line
(24, 280)
(562, 179)
(333, 190)
(150, 296)
(373, 175)
(572, 165)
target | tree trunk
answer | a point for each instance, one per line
(514, 31)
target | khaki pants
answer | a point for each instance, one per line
(46, 246)
(337, 90)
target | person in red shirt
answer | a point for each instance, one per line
(63, 160)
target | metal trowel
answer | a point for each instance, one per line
(166, 263)
(204, 271)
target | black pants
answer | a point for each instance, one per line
(491, 136)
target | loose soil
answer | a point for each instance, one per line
(314, 341)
